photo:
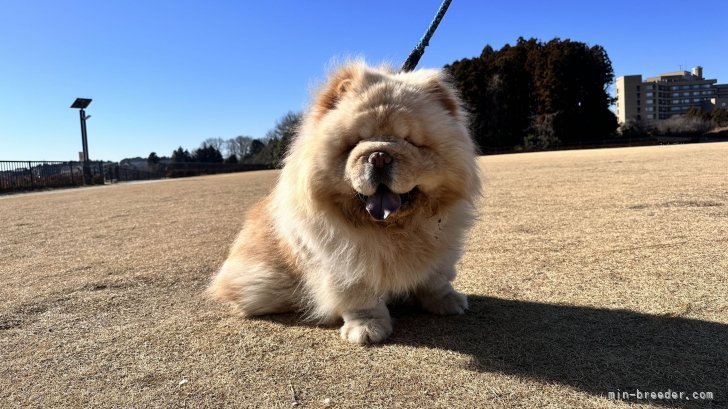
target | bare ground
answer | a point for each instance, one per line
(588, 272)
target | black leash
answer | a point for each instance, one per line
(416, 54)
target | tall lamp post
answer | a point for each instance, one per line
(81, 104)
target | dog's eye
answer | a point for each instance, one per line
(349, 146)
(409, 141)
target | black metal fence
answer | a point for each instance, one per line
(29, 175)
(184, 169)
(113, 172)
(18, 176)
(615, 142)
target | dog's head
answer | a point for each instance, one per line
(382, 147)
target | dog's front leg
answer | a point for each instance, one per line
(367, 326)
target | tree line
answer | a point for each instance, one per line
(532, 95)
(238, 150)
(536, 95)
(541, 95)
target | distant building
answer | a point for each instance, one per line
(667, 95)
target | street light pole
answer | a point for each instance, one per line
(84, 141)
(81, 104)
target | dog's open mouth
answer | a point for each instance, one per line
(384, 202)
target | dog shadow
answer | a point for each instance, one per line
(595, 350)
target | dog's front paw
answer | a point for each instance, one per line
(451, 303)
(366, 330)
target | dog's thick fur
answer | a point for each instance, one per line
(312, 245)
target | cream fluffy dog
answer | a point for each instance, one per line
(371, 206)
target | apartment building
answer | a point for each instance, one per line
(667, 95)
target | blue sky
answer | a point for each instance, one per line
(164, 74)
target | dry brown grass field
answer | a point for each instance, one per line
(588, 272)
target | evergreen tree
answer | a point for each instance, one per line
(281, 136)
(153, 162)
(207, 154)
(537, 95)
(152, 159)
(181, 156)
(231, 160)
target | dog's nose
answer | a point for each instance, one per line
(380, 159)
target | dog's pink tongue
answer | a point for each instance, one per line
(383, 203)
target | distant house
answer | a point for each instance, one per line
(72, 169)
(667, 95)
(134, 163)
(53, 169)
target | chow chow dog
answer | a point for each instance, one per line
(371, 207)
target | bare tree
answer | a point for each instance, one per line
(217, 143)
(239, 146)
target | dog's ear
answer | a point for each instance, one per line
(439, 86)
(338, 84)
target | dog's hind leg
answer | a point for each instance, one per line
(439, 297)
(254, 288)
